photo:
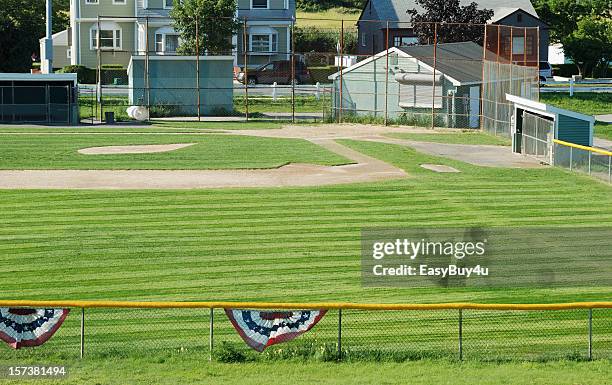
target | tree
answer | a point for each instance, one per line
(582, 27)
(590, 45)
(216, 24)
(448, 13)
(22, 24)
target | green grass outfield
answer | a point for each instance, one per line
(292, 244)
(190, 370)
(589, 103)
(24, 152)
(459, 137)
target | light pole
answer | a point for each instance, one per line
(47, 52)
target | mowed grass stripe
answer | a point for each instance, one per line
(287, 245)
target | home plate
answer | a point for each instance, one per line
(439, 168)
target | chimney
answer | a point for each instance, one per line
(46, 56)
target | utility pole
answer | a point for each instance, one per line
(47, 54)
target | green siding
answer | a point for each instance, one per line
(173, 84)
(258, 60)
(107, 8)
(574, 130)
(89, 56)
(365, 90)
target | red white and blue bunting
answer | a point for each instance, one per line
(260, 329)
(29, 327)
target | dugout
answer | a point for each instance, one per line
(38, 98)
(543, 122)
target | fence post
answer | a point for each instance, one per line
(146, 74)
(386, 76)
(245, 43)
(460, 334)
(211, 333)
(341, 70)
(610, 169)
(99, 59)
(571, 87)
(198, 68)
(293, 80)
(318, 94)
(82, 332)
(339, 334)
(590, 159)
(590, 354)
(274, 91)
(433, 85)
(571, 158)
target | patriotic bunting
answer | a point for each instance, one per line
(29, 327)
(260, 329)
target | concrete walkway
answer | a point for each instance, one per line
(607, 118)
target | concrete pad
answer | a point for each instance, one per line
(137, 149)
(440, 168)
(607, 118)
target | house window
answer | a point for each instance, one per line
(364, 39)
(404, 41)
(264, 43)
(110, 36)
(91, 1)
(259, 4)
(518, 45)
(166, 43)
(69, 53)
(122, 2)
(519, 17)
(168, 4)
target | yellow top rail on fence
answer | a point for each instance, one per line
(586, 148)
(296, 306)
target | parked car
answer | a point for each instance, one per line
(546, 72)
(276, 71)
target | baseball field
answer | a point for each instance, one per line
(285, 244)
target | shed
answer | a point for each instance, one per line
(408, 92)
(543, 122)
(39, 98)
(172, 85)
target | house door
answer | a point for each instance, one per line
(474, 107)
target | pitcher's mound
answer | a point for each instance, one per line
(138, 149)
(439, 168)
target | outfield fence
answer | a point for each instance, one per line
(592, 161)
(343, 72)
(455, 331)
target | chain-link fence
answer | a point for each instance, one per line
(346, 332)
(33, 102)
(370, 71)
(592, 161)
(537, 137)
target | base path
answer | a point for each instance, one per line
(366, 169)
(479, 155)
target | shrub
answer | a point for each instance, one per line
(312, 39)
(84, 75)
(228, 353)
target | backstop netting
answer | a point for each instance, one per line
(510, 66)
